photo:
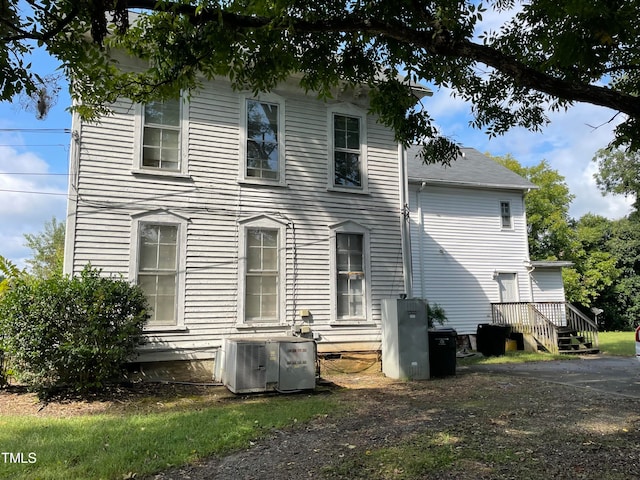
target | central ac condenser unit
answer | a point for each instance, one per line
(283, 364)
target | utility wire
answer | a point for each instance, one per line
(33, 173)
(33, 192)
(37, 130)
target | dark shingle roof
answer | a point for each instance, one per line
(472, 169)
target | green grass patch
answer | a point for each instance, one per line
(513, 357)
(117, 446)
(422, 456)
(617, 343)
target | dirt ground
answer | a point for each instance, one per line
(491, 426)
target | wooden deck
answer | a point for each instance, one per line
(556, 327)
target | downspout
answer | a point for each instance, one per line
(405, 233)
(530, 268)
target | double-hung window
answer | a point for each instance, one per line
(350, 275)
(262, 146)
(158, 266)
(505, 215)
(158, 270)
(262, 274)
(161, 136)
(262, 270)
(347, 149)
(347, 155)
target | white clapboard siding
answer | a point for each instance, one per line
(111, 194)
(547, 285)
(458, 247)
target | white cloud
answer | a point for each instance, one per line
(27, 201)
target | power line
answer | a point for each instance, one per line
(31, 173)
(37, 130)
(34, 145)
(32, 191)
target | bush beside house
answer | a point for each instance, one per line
(71, 332)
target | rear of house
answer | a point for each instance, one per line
(242, 215)
(468, 237)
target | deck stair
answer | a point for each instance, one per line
(556, 327)
(572, 342)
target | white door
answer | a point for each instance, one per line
(508, 284)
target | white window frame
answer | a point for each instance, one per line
(242, 174)
(347, 110)
(503, 217)
(183, 148)
(162, 218)
(269, 223)
(350, 227)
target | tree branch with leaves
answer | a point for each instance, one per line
(545, 56)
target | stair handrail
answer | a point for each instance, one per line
(582, 324)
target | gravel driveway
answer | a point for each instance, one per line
(563, 420)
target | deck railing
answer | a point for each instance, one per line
(531, 319)
(542, 320)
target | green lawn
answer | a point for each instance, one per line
(617, 343)
(117, 446)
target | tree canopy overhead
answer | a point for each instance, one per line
(546, 55)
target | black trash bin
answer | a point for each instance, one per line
(491, 339)
(442, 352)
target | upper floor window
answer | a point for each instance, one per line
(347, 149)
(262, 143)
(161, 135)
(161, 144)
(347, 155)
(505, 214)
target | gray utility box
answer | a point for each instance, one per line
(283, 364)
(405, 343)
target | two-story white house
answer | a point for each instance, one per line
(242, 214)
(265, 215)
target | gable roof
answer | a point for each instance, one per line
(472, 169)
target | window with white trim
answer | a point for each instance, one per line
(350, 275)
(261, 293)
(158, 266)
(505, 214)
(350, 272)
(161, 135)
(347, 155)
(261, 271)
(262, 143)
(347, 149)
(158, 270)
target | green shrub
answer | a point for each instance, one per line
(72, 332)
